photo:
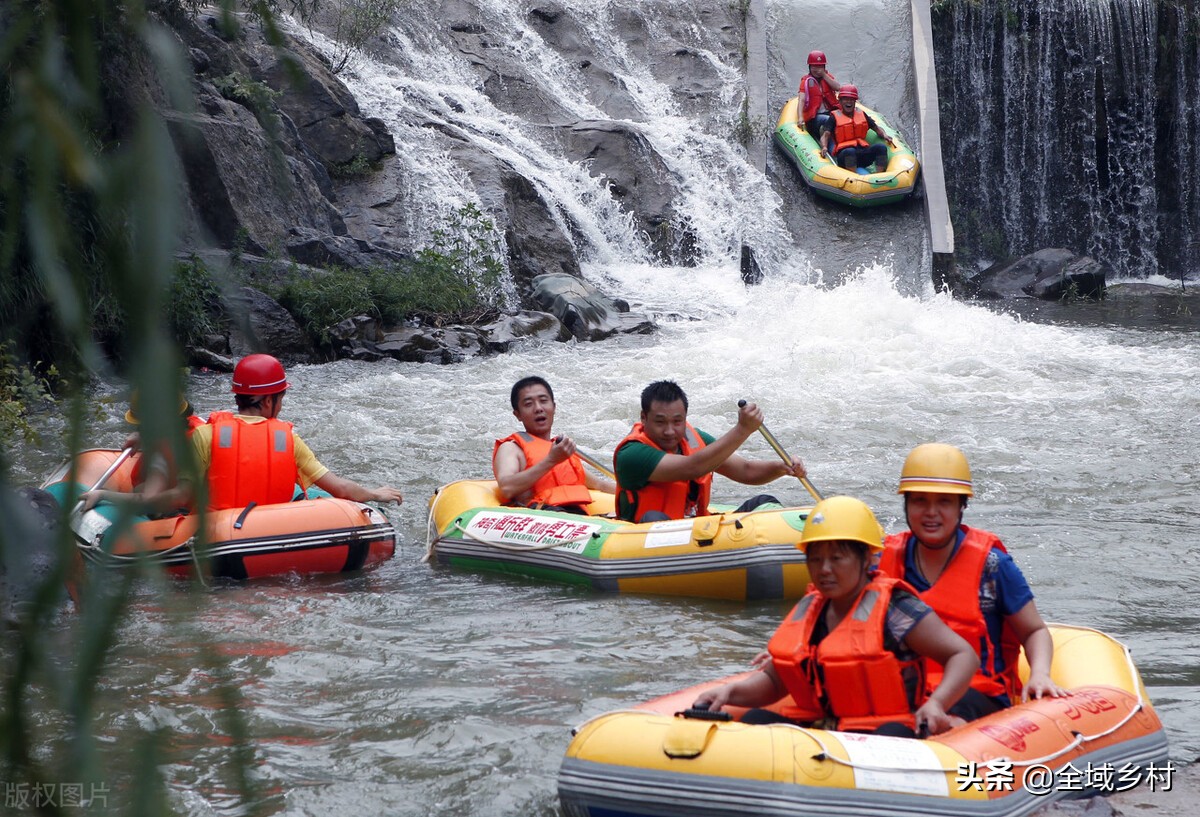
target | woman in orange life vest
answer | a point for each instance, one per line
(155, 475)
(252, 456)
(967, 576)
(851, 653)
(847, 131)
(818, 94)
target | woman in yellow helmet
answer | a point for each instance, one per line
(967, 576)
(852, 653)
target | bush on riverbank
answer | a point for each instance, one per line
(457, 280)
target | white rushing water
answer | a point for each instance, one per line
(414, 690)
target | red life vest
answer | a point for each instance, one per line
(849, 131)
(816, 97)
(678, 500)
(137, 477)
(955, 598)
(251, 462)
(564, 484)
(850, 675)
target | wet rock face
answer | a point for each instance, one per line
(280, 161)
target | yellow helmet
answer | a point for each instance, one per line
(937, 468)
(841, 518)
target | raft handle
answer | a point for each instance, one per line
(703, 714)
(242, 516)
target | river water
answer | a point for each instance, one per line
(413, 690)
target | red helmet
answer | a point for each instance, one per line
(848, 90)
(259, 374)
(816, 57)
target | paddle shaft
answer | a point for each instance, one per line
(592, 461)
(783, 455)
(112, 469)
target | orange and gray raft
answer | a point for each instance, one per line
(322, 535)
(734, 556)
(653, 762)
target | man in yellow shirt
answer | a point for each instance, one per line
(252, 456)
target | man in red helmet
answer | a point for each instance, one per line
(252, 456)
(847, 131)
(818, 94)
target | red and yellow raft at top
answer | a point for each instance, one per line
(652, 762)
(322, 535)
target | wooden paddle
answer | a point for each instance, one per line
(592, 461)
(783, 455)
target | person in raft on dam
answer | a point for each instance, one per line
(252, 456)
(846, 131)
(535, 469)
(664, 466)
(854, 651)
(818, 94)
(968, 578)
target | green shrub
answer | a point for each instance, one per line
(20, 388)
(457, 280)
(193, 303)
(356, 168)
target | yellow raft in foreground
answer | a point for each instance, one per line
(724, 556)
(1104, 737)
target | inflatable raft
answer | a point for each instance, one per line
(829, 180)
(725, 556)
(651, 763)
(323, 535)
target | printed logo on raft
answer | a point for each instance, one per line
(1087, 701)
(526, 529)
(1011, 734)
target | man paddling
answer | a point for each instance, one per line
(664, 466)
(537, 470)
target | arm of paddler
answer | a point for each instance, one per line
(1035, 638)
(710, 458)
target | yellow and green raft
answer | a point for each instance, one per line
(736, 556)
(829, 180)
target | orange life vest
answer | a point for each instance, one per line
(251, 462)
(816, 96)
(849, 131)
(850, 675)
(137, 476)
(564, 484)
(955, 598)
(678, 500)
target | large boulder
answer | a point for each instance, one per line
(28, 552)
(426, 344)
(526, 326)
(260, 324)
(1050, 275)
(587, 313)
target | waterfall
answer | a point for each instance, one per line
(1071, 123)
(445, 103)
